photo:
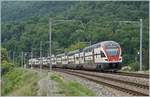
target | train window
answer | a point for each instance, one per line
(77, 58)
(102, 54)
(97, 54)
(82, 57)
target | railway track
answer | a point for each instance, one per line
(114, 79)
(133, 74)
(137, 75)
(132, 88)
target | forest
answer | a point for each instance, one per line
(24, 24)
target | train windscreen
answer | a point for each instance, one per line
(112, 48)
(112, 52)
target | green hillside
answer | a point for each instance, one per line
(14, 10)
(25, 24)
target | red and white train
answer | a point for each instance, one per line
(102, 56)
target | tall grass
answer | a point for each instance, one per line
(71, 88)
(19, 82)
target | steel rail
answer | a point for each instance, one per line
(133, 74)
(92, 78)
(116, 80)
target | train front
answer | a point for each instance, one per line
(113, 55)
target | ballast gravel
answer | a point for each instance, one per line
(98, 89)
(143, 81)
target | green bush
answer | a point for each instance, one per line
(19, 82)
(10, 79)
(126, 68)
(134, 66)
(6, 66)
(4, 56)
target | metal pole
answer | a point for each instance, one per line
(22, 59)
(31, 56)
(141, 31)
(41, 55)
(16, 59)
(79, 51)
(13, 56)
(50, 31)
(90, 42)
(141, 25)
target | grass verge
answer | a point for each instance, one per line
(20, 82)
(71, 88)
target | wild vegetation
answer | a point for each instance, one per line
(19, 82)
(25, 24)
(16, 81)
(71, 88)
(5, 62)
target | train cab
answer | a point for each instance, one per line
(112, 52)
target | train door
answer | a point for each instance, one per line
(77, 58)
(89, 57)
(82, 58)
(97, 55)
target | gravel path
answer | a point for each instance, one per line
(100, 90)
(42, 87)
(47, 87)
(53, 89)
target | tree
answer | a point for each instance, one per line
(5, 64)
(4, 55)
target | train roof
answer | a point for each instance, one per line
(60, 55)
(92, 46)
(110, 43)
(32, 59)
(100, 43)
(73, 52)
